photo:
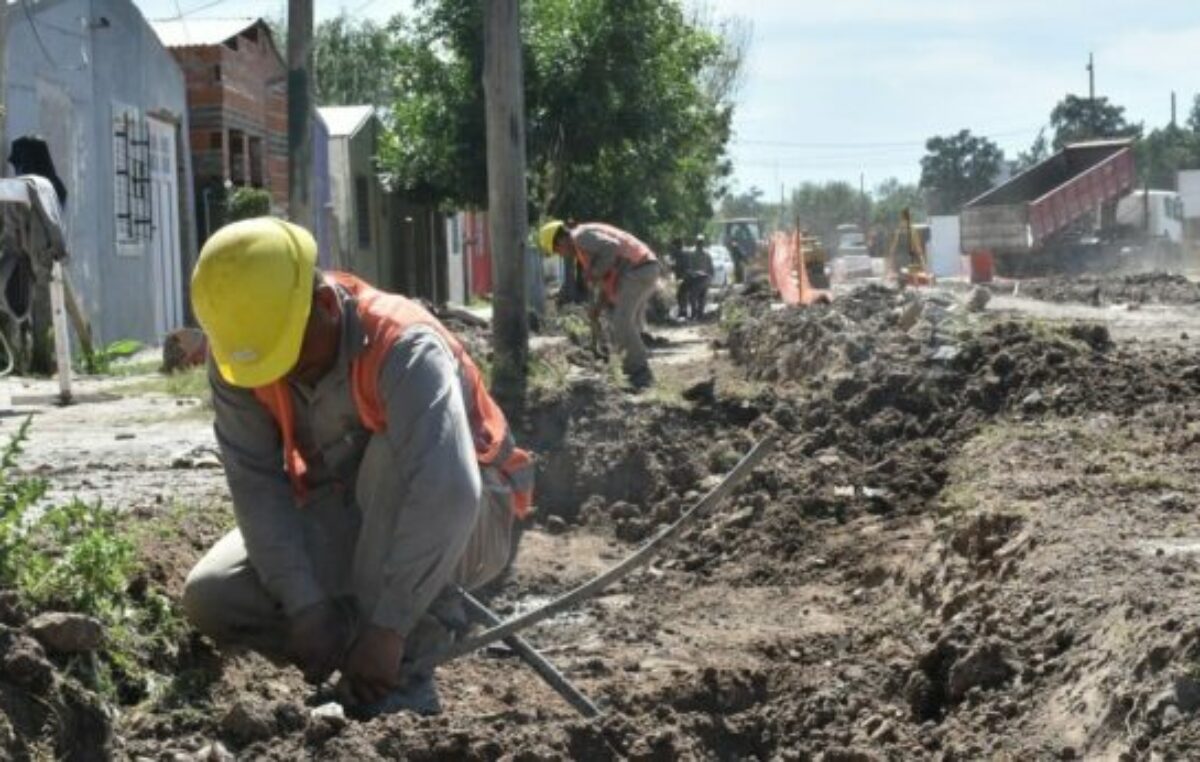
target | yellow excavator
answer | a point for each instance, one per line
(915, 269)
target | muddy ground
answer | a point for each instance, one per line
(977, 539)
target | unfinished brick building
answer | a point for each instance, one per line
(237, 108)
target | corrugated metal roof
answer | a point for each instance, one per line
(344, 121)
(184, 33)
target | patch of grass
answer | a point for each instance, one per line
(548, 373)
(576, 329)
(733, 316)
(74, 557)
(664, 395)
(192, 382)
(734, 385)
(141, 368)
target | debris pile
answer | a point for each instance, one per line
(1097, 290)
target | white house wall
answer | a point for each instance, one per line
(98, 55)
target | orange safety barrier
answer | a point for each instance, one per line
(788, 273)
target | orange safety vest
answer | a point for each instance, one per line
(385, 317)
(631, 249)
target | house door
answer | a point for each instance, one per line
(165, 252)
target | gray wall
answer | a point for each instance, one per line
(67, 97)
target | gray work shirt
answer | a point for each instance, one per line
(429, 433)
(602, 251)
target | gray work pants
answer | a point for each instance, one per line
(634, 290)
(348, 538)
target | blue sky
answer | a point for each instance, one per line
(842, 87)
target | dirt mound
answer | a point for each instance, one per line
(602, 454)
(1144, 288)
(873, 393)
(873, 412)
(43, 709)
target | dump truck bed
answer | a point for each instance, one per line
(1018, 216)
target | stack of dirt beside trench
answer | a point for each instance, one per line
(875, 395)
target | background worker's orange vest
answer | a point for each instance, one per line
(631, 250)
(385, 317)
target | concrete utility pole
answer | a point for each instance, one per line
(299, 105)
(507, 209)
(3, 83)
(1091, 70)
(1172, 108)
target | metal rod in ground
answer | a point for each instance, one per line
(598, 583)
(530, 655)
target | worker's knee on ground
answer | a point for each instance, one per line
(490, 547)
(204, 597)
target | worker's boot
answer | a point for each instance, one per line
(642, 378)
(418, 694)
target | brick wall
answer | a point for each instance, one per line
(242, 93)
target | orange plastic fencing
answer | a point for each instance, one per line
(788, 273)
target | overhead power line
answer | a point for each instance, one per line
(868, 145)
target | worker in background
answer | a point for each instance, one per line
(369, 468)
(622, 273)
(680, 269)
(700, 278)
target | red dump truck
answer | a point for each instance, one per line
(1053, 217)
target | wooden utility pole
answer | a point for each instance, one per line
(507, 209)
(299, 107)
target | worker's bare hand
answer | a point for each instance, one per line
(316, 640)
(373, 667)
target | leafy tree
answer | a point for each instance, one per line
(1162, 153)
(1039, 151)
(352, 62)
(892, 196)
(1194, 116)
(1074, 119)
(628, 106)
(957, 168)
(821, 207)
(747, 204)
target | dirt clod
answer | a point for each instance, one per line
(66, 633)
(987, 666)
(25, 663)
(248, 721)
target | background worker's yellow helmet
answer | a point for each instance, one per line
(547, 235)
(252, 291)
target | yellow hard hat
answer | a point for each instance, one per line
(547, 235)
(252, 291)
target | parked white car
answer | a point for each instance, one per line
(722, 265)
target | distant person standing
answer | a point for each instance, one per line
(739, 261)
(622, 273)
(699, 279)
(680, 268)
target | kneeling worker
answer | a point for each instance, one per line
(622, 273)
(370, 469)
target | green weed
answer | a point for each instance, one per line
(100, 362)
(75, 557)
